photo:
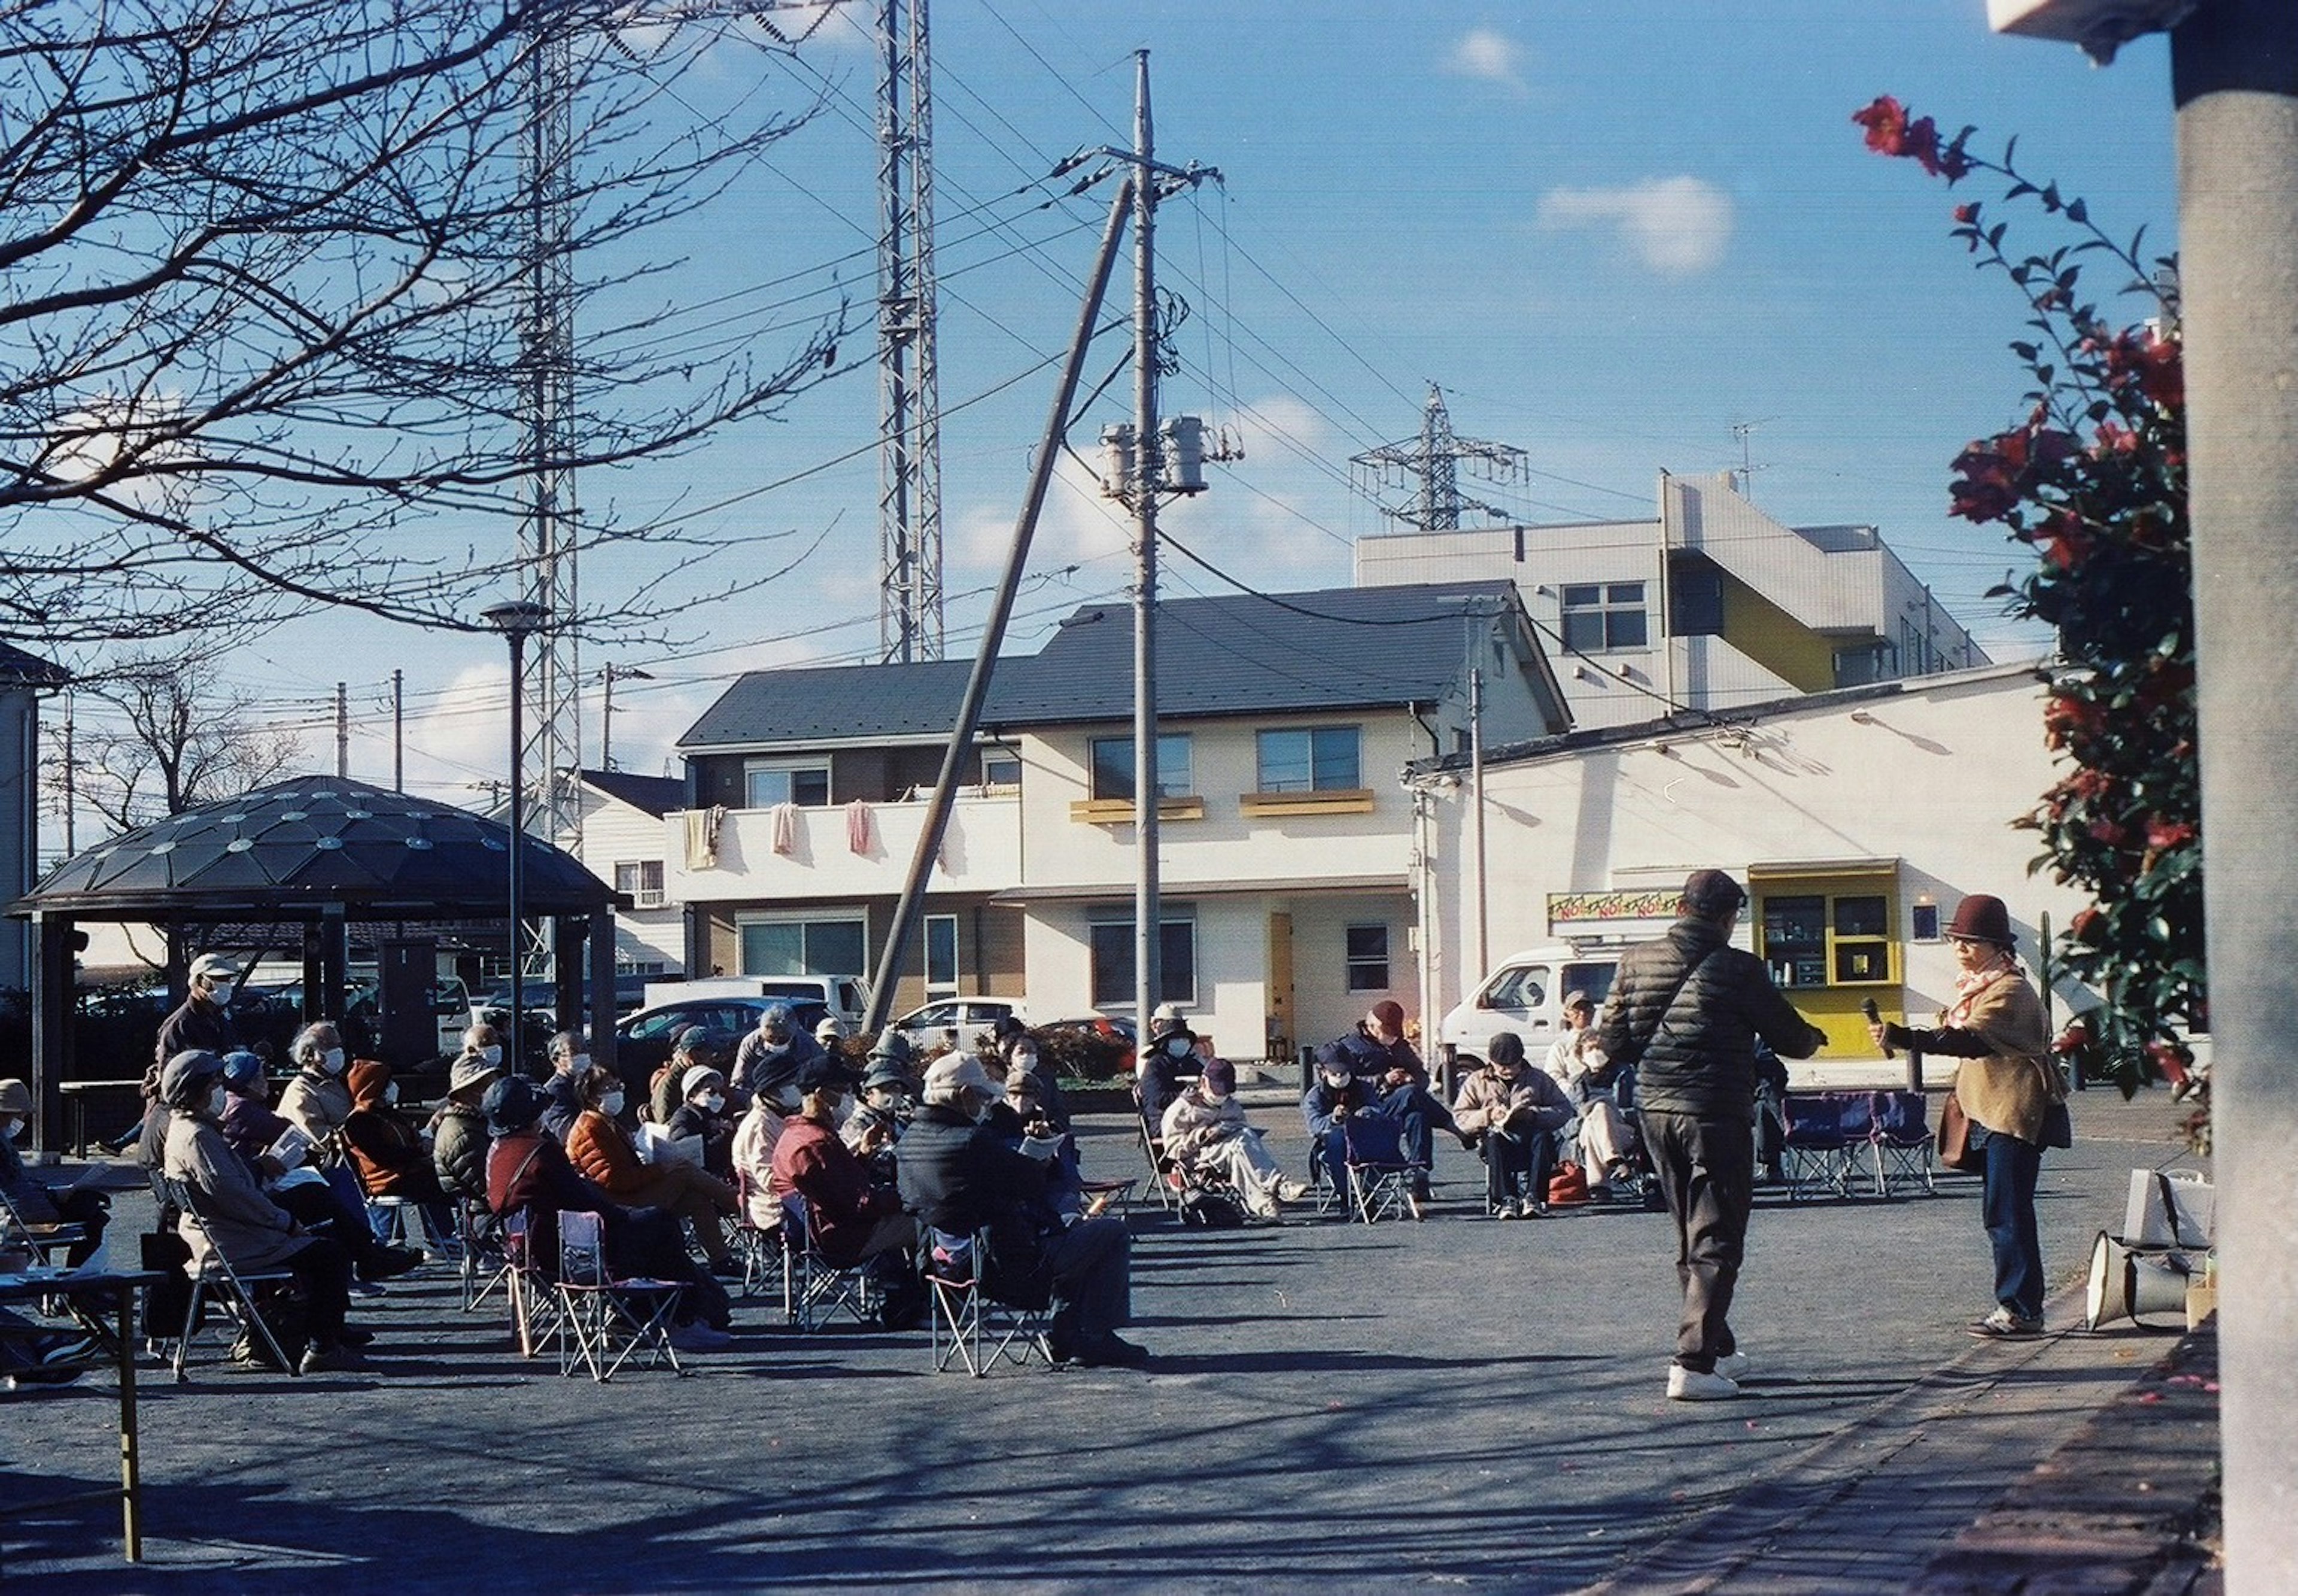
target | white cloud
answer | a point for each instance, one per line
(1674, 225)
(1079, 523)
(1489, 56)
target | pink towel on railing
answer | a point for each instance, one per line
(786, 830)
(860, 827)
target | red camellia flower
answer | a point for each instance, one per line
(2074, 1039)
(1886, 122)
(2168, 833)
(1966, 214)
(2106, 832)
(2085, 927)
(2169, 1059)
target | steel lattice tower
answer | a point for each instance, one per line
(1431, 463)
(548, 539)
(909, 403)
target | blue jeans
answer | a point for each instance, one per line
(2007, 1204)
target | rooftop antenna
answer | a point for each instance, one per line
(1743, 431)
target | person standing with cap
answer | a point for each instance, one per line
(1685, 1012)
(2013, 1094)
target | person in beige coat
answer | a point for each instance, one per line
(2011, 1093)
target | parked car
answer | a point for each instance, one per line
(1524, 994)
(848, 996)
(643, 1040)
(1081, 1044)
(959, 1019)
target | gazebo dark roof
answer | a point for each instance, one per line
(285, 851)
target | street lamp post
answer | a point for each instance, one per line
(518, 619)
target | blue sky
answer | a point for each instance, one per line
(1611, 232)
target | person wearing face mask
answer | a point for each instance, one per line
(251, 1231)
(201, 1021)
(1023, 1056)
(39, 1205)
(701, 1113)
(316, 1100)
(1513, 1115)
(458, 1131)
(1205, 1133)
(775, 1049)
(1169, 1058)
(602, 1151)
(570, 1067)
(776, 1099)
(958, 1176)
(691, 1048)
(385, 1149)
(854, 1218)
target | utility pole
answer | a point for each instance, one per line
(71, 783)
(1477, 823)
(607, 678)
(1148, 930)
(399, 731)
(342, 730)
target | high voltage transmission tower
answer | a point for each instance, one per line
(909, 402)
(552, 748)
(1430, 463)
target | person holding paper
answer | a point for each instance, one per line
(316, 1099)
(602, 1150)
(34, 1201)
(855, 1219)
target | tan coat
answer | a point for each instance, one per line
(2012, 1088)
(253, 1231)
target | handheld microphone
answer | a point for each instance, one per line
(1875, 1017)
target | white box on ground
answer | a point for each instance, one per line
(2169, 1208)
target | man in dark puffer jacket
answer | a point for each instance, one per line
(1686, 1010)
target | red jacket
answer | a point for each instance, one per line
(809, 1159)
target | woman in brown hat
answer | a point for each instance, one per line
(2011, 1092)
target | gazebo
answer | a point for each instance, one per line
(309, 857)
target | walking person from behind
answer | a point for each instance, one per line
(1686, 1010)
(2011, 1091)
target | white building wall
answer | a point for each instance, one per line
(618, 833)
(1934, 776)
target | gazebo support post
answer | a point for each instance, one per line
(315, 975)
(566, 974)
(52, 1027)
(602, 986)
(334, 961)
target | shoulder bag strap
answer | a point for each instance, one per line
(1643, 1043)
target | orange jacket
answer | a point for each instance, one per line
(601, 1150)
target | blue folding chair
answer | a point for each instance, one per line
(1378, 1176)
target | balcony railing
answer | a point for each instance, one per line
(812, 851)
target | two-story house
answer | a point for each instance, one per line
(621, 841)
(1710, 605)
(1288, 842)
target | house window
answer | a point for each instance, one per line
(640, 883)
(823, 945)
(1604, 614)
(1000, 770)
(1696, 598)
(941, 955)
(766, 785)
(1112, 767)
(1110, 941)
(1310, 759)
(1367, 958)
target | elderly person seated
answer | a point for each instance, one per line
(458, 1131)
(1587, 1075)
(701, 1115)
(315, 1100)
(771, 1052)
(562, 1091)
(254, 1132)
(692, 1047)
(753, 1154)
(34, 1201)
(1205, 1133)
(602, 1150)
(1163, 1062)
(529, 1174)
(1513, 1115)
(251, 1231)
(962, 1180)
(854, 1218)
(1379, 1053)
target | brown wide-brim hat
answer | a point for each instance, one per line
(1983, 918)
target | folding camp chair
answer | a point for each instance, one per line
(481, 1265)
(1161, 1175)
(1903, 1140)
(968, 1326)
(232, 1290)
(43, 1239)
(818, 1290)
(609, 1320)
(537, 1318)
(1821, 1144)
(1379, 1176)
(759, 1250)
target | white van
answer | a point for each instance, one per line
(1526, 995)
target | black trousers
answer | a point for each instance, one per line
(1517, 1161)
(323, 1271)
(1706, 1171)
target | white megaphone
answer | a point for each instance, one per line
(2125, 1282)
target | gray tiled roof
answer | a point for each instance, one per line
(1340, 647)
(656, 795)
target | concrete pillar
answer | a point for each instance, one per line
(2234, 71)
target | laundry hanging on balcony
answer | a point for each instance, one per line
(786, 830)
(702, 837)
(861, 827)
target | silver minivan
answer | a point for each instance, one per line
(1524, 994)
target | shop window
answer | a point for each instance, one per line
(1822, 940)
